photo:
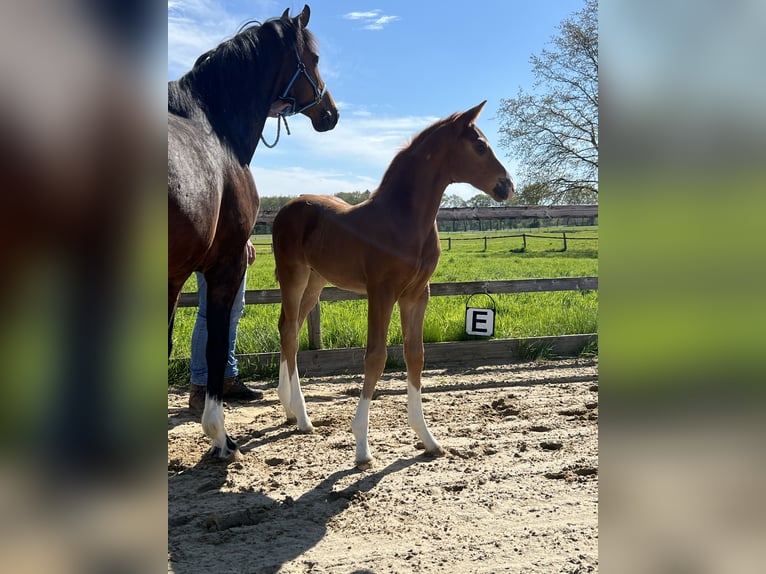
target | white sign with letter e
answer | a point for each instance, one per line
(479, 320)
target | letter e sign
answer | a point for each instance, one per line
(480, 322)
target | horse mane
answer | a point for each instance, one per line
(245, 44)
(246, 60)
(402, 158)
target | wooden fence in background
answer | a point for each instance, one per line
(492, 213)
(317, 361)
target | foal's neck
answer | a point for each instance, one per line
(415, 184)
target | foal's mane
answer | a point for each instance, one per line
(402, 159)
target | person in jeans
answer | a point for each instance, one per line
(233, 388)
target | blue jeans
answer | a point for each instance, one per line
(198, 365)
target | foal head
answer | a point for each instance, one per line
(472, 160)
(304, 91)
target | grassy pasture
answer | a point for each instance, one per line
(518, 315)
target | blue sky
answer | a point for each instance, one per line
(393, 67)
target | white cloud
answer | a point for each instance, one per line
(298, 180)
(371, 19)
(196, 26)
(361, 15)
(352, 157)
(380, 22)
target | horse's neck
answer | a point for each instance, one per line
(238, 123)
(416, 190)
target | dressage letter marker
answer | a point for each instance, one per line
(480, 322)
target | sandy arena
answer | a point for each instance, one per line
(516, 492)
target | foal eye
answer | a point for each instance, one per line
(481, 147)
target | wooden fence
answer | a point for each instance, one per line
(318, 361)
(492, 213)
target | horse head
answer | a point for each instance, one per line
(473, 161)
(305, 92)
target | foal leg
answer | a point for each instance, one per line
(300, 292)
(380, 306)
(412, 312)
(222, 284)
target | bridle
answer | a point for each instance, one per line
(318, 94)
(295, 108)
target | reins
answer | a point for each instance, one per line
(280, 119)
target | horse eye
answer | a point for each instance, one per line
(481, 147)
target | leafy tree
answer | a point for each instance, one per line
(481, 200)
(532, 194)
(273, 203)
(553, 133)
(353, 197)
(452, 200)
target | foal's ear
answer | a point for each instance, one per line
(285, 15)
(304, 16)
(469, 116)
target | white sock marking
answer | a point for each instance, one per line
(283, 390)
(360, 427)
(298, 404)
(417, 421)
(213, 425)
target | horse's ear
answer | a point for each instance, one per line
(285, 15)
(469, 116)
(304, 16)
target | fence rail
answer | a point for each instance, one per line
(491, 213)
(267, 296)
(486, 238)
(328, 361)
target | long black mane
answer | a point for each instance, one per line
(232, 86)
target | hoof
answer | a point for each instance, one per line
(307, 430)
(364, 464)
(224, 454)
(229, 452)
(435, 452)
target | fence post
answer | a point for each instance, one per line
(564, 233)
(485, 243)
(449, 244)
(315, 328)
(524, 238)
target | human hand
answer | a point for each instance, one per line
(250, 252)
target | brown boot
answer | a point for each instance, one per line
(233, 388)
(197, 399)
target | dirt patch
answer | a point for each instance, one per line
(517, 490)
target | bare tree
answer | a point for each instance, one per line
(553, 133)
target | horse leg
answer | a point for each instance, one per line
(380, 306)
(412, 311)
(222, 284)
(295, 287)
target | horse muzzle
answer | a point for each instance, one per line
(504, 188)
(324, 116)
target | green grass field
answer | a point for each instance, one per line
(518, 315)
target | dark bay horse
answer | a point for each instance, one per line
(216, 113)
(386, 247)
